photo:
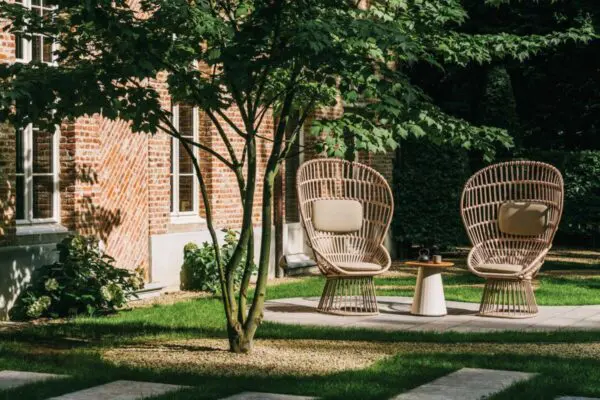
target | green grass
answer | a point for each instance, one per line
(75, 348)
(552, 290)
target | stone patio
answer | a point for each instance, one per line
(15, 379)
(267, 396)
(122, 390)
(462, 317)
(466, 384)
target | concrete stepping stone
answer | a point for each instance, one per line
(576, 398)
(266, 396)
(122, 390)
(466, 384)
(15, 379)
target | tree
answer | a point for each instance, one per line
(556, 91)
(288, 56)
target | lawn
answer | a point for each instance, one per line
(182, 343)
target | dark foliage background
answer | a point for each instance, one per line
(550, 104)
(427, 201)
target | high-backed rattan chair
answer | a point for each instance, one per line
(346, 210)
(511, 212)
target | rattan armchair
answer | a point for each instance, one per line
(511, 212)
(346, 210)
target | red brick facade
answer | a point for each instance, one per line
(116, 184)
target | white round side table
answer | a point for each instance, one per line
(429, 297)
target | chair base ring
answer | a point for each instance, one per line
(508, 298)
(349, 295)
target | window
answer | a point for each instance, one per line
(37, 185)
(38, 48)
(184, 186)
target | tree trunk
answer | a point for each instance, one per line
(279, 224)
(240, 343)
(256, 310)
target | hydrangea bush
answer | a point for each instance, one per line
(83, 281)
(200, 271)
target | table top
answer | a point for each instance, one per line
(430, 264)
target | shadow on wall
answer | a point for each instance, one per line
(19, 257)
(90, 218)
(6, 208)
(98, 221)
(6, 187)
(16, 266)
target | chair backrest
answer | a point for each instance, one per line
(333, 179)
(512, 210)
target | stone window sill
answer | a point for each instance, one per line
(191, 223)
(40, 229)
(37, 234)
(187, 219)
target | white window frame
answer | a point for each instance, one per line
(27, 45)
(27, 138)
(28, 176)
(176, 215)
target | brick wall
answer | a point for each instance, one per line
(7, 43)
(104, 186)
(7, 184)
(7, 154)
(159, 166)
(221, 182)
(104, 181)
(122, 210)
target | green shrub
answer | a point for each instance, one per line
(83, 281)
(428, 182)
(200, 271)
(580, 224)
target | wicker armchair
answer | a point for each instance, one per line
(511, 212)
(346, 210)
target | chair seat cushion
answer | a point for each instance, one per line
(500, 268)
(359, 266)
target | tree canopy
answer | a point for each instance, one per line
(257, 56)
(255, 52)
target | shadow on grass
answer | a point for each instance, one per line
(569, 265)
(85, 336)
(386, 378)
(579, 283)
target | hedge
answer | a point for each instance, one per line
(580, 225)
(428, 181)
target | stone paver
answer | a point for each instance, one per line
(466, 384)
(122, 390)
(266, 396)
(577, 398)
(15, 379)
(462, 317)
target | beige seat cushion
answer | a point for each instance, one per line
(500, 268)
(339, 216)
(359, 266)
(523, 218)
